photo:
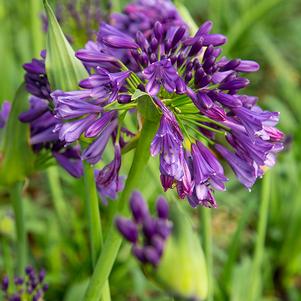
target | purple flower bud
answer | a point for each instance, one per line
(42, 275)
(196, 47)
(119, 42)
(230, 65)
(138, 207)
(154, 44)
(158, 31)
(151, 255)
(18, 280)
(158, 243)
(179, 34)
(138, 252)
(5, 283)
(29, 270)
(180, 60)
(162, 208)
(142, 41)
(127, 228)
(235, 84)
(149, 227)
(124, 98)
(15, 298)
(247, 66)
(162, 228)
(45, 287)
(214, 39)
(205, 28)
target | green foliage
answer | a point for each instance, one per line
(265, 30)
(64, 70)
(17, 157)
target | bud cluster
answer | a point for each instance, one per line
(29, 287)
(146, 233)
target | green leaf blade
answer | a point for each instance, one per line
(64, 70)
(17, 158)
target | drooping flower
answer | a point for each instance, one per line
(147, 234)
(108, 181)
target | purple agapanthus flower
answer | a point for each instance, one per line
(197, 93)
(108, 181)
(147, 234)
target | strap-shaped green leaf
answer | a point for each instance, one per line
(17, 159)
(64, 70)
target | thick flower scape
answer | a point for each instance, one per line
(196, 91)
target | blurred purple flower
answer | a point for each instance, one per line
(146, 233)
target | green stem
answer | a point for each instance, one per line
(95, 229)
(92, 210)
(17, 203)
(260, 240)
(208, 247)
(112, 244)
(57, 196)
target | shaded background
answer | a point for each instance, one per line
(268, 31)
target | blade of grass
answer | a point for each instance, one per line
(256, 274)
(246, 21)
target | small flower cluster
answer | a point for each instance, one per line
(197, 94)
(30, 287)
(147, 234)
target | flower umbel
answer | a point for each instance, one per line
(198, 96)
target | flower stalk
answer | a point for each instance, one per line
(208, 247)
(21, 239)
(260, 240)
(112, 244)
(94, 221)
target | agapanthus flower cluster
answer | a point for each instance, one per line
(197, 93)
(30, 287)
(42, 121)
(147, 234)
(141, 15)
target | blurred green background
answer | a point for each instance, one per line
(267, 31)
